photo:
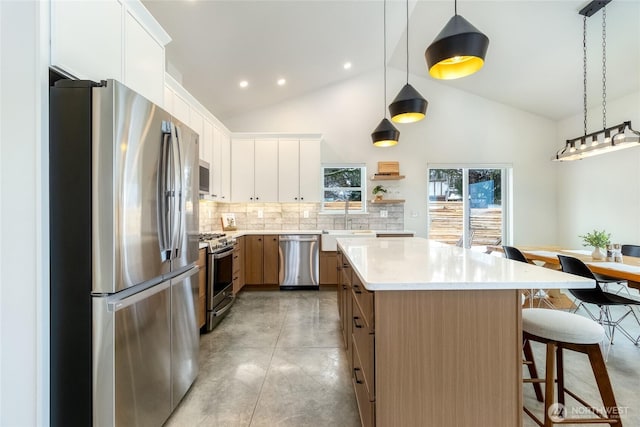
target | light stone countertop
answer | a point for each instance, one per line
(414, 263)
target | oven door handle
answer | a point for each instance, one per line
(223, 254)
(226, 307)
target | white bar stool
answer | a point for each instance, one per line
(560, 330)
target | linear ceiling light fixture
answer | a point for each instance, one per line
(385, 134)
(458, 51)
(408, 106)
(599, 142)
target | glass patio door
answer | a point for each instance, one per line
(466, 205)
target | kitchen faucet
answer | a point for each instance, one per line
(346, 213)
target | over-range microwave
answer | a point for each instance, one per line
(204, 177)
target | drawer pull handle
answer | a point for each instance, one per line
(355, 375)
(355, 322)
(356, 289)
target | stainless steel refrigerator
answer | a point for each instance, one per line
(123, 186)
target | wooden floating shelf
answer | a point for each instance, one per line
(387, 177)
(387, 201)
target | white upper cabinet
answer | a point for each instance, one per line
(181, 109)
(242, 170)
(86, 39)
(196, 122)
(299, 170)
(224, 194)
(144, 61)
(109, 39)
(266, 170)
(288, 170)
(254, 170)
(206, 148)
(221, 166)
(310, 179)
(168, 99)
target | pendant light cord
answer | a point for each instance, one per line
(584, 70)
(384, 50)
(455, 7)
(407, 41)
(604, 67)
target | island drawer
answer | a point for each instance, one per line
(363, 345)
(366, 406)
(365, 300)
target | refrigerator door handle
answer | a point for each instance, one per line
(164, 194)
(116, 303)
(179, 191)
(173, 210)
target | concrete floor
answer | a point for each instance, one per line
(277, 360)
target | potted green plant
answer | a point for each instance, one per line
(599, 240)
(378, 191)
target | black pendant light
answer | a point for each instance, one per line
(385, 134)
(458, 50)
(408, 106)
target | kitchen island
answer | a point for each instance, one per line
(433, 332)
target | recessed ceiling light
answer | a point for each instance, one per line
(281, 82)
(244, 84)
(347, 65)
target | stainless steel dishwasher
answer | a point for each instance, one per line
(299, 261)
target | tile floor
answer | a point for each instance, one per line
(277, 360)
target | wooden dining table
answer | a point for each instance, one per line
(628, 269)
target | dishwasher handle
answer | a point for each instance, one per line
(299, 238)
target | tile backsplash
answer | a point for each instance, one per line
(298, 216)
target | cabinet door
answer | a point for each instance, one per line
(225, 168)
(253, 259)
(288, 173)
(181, 109)
(266, 170)
(328, 270)
(242, 170)
(168, 100)
(310, 180)
(206, 144)
(196, 122)
(86, 39)
(270, 260)
(144, 61)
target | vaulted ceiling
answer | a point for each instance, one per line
(534, 61)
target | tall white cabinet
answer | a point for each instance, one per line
(109, 39)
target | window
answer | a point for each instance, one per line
(344, 187)
(467, 205)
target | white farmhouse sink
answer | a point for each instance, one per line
(329, 237)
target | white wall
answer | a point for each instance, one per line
(23, 214)
(600, 192)
(459, 128)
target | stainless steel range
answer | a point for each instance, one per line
(219, 294)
